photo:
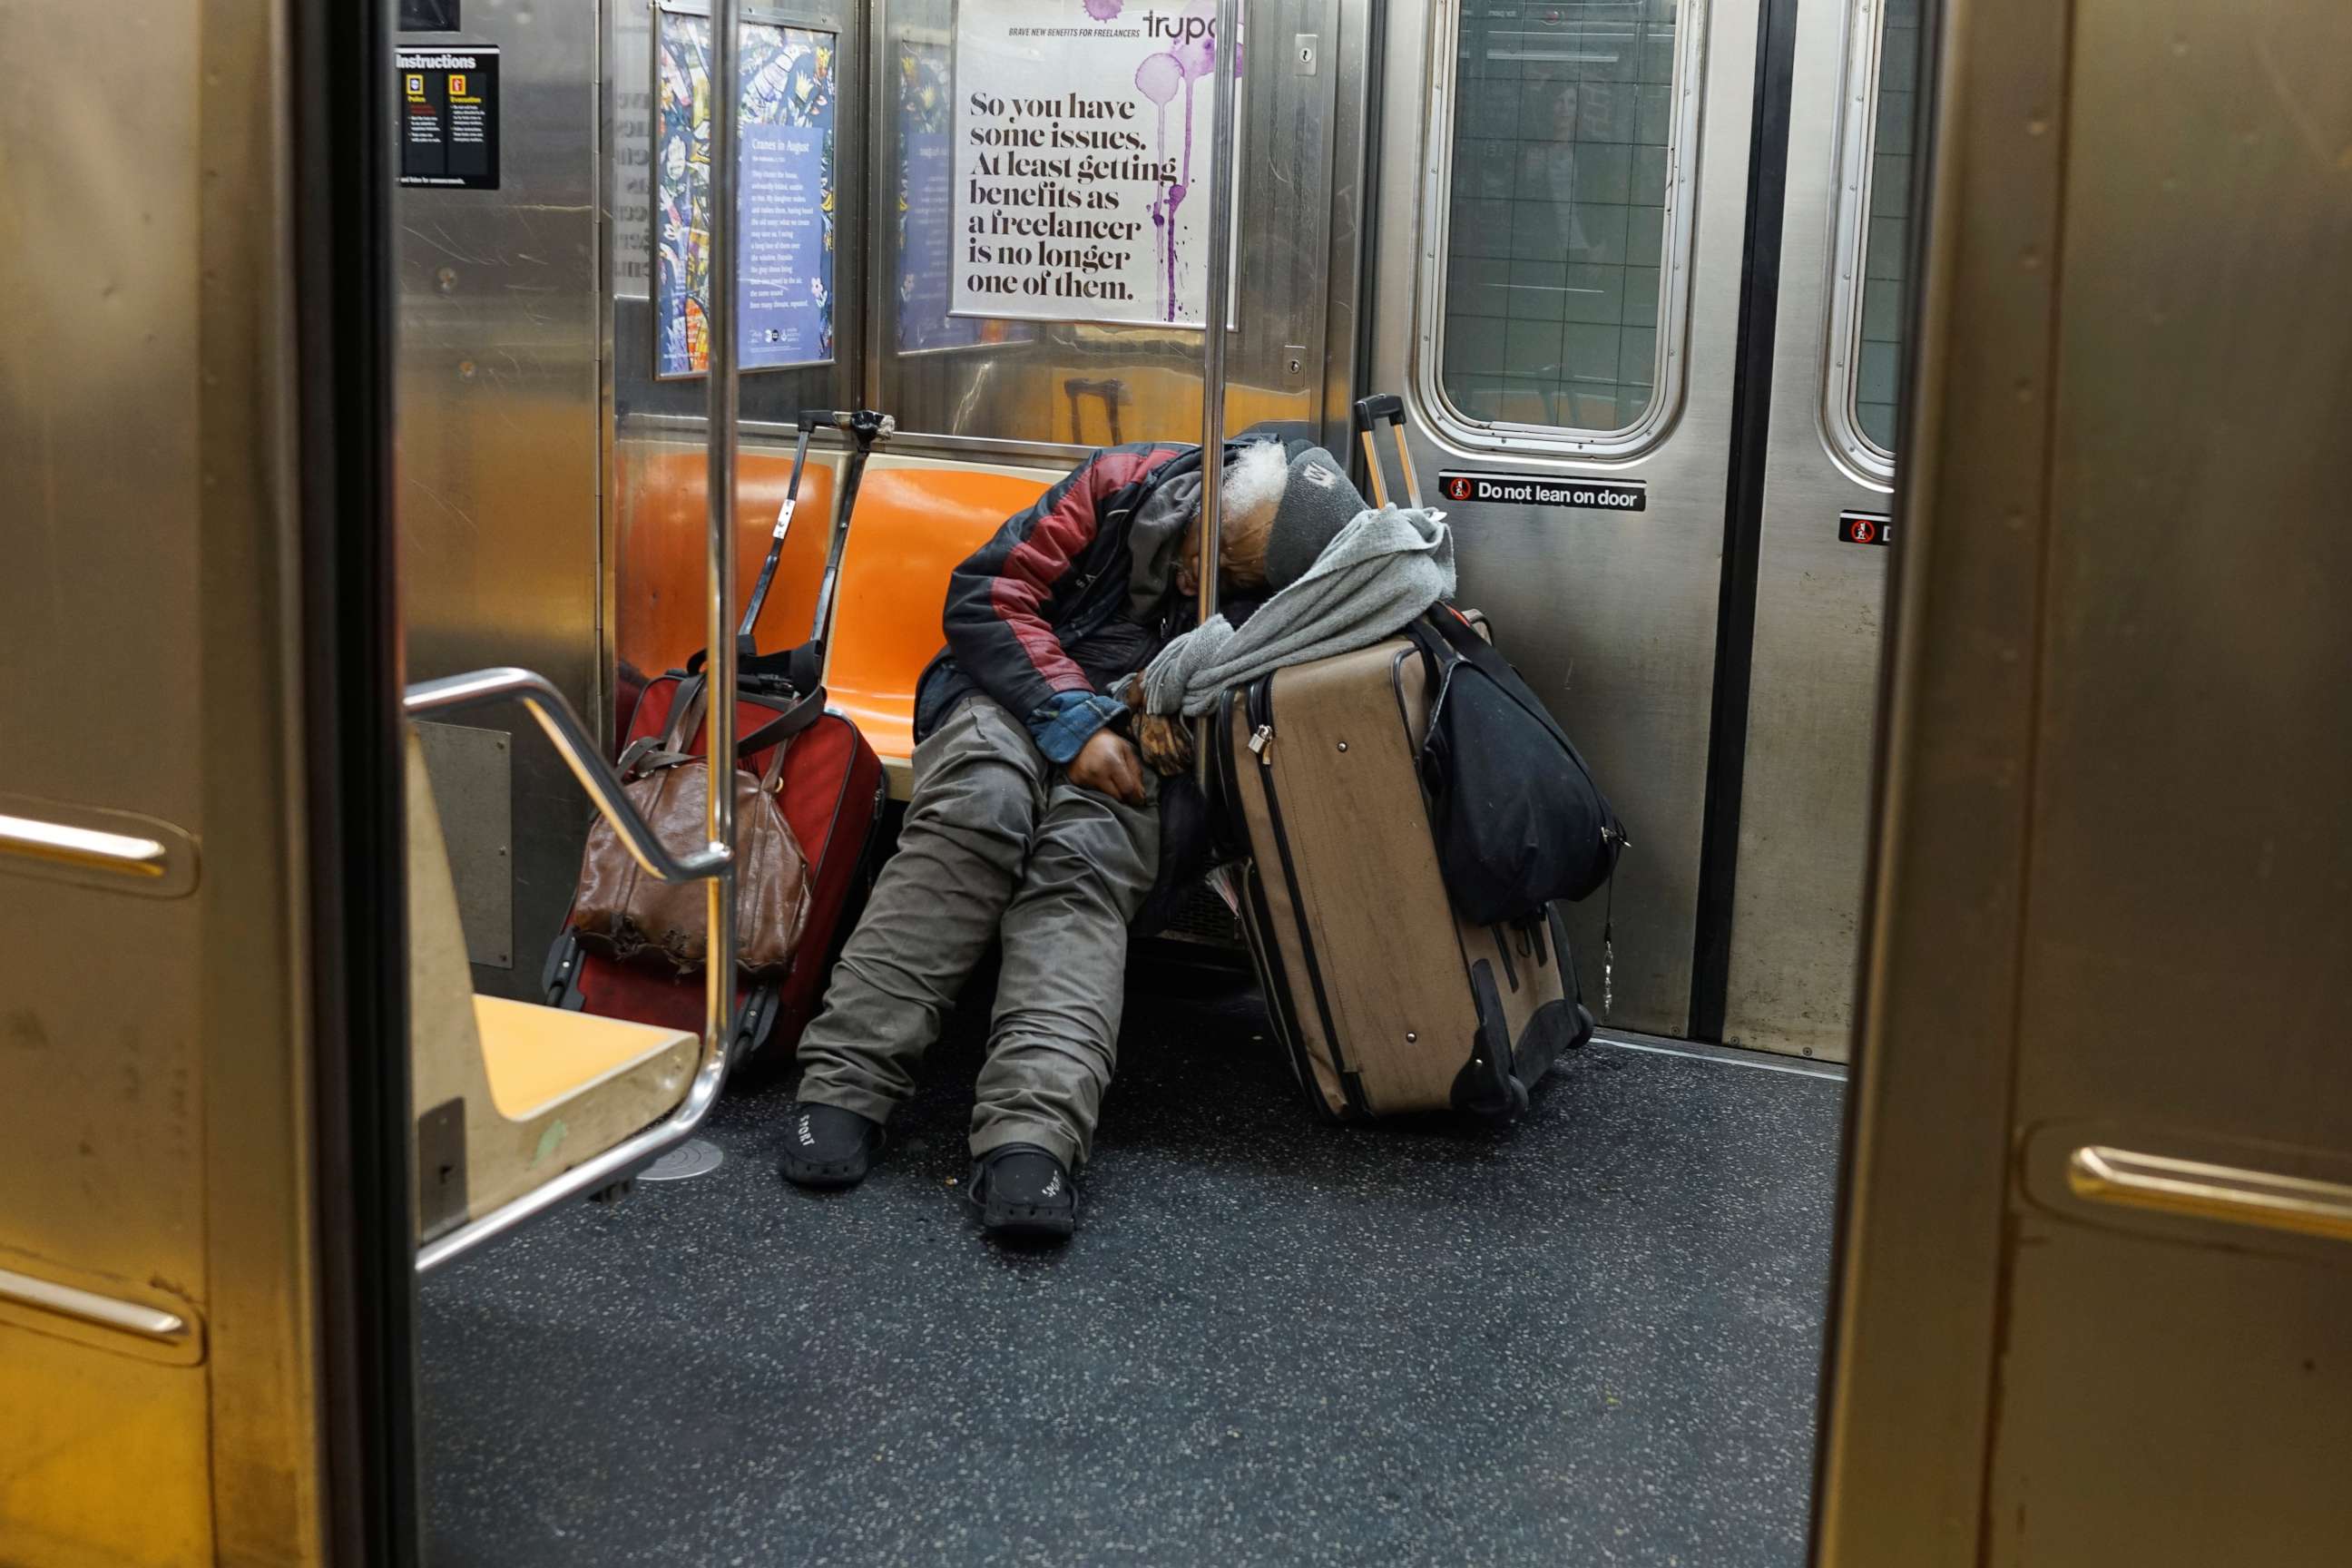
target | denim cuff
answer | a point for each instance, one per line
(1064, 725)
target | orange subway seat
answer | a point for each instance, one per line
(661, 610)
(914, 526)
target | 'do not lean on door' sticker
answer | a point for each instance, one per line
(1544, 489)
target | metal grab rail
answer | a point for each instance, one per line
(719, 311)
(564, 727)
(712, 863)
(1224, 54)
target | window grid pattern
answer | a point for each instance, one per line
(1887, 245)
(1562, 119)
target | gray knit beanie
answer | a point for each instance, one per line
(1318, 501)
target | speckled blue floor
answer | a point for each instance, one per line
(1593, 1340)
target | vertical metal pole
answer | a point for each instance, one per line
(1225, 104)
(719, 316)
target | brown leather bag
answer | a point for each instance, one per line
(621, 912)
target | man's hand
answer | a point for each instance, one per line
(1108, 765)
(1167, 743)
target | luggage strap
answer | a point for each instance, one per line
(650, 753)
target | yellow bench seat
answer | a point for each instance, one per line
(538, 1058)
(510, 1095)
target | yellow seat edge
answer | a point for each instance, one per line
(538, 1058)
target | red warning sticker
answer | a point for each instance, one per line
(1864, 528)
(1544, 489)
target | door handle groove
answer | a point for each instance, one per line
(2229, 1194)
(95, 847)
(85, 847)
(90, 1306)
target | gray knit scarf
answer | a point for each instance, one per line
(1376, 573)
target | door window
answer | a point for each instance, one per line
(1875, 207)
(1558, 297)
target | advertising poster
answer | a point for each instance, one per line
(1082, 151)
(927, 207)
(785, 208)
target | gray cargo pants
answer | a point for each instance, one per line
(995, 840)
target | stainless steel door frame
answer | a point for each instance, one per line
(1612, 616)
(2108, 930)
(187, 274)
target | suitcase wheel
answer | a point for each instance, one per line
(559, 979)
(754, 1023)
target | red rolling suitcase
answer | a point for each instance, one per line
(831, 789)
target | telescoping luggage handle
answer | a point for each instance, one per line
(864, 426)
(1387, 407)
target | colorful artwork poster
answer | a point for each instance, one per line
(1082, 150)
(785, 198)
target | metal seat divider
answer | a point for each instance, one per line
(714, 864)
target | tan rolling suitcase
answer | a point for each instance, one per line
(1384, 999)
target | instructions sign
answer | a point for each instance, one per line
(1864, 528)
(785, 206)
(1545, 490)
(1083, 142)
(450, 118)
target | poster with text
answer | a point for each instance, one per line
(1082, 151)
(784, 206)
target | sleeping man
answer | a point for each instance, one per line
(1033, 817)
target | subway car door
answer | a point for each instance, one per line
(1777, 959)
(1558, 294)
(1643, 285)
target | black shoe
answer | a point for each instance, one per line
(1025, 1194)
(825, 1146)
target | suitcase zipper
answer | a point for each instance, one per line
(1260, 714)
(1257, 926)
(1260, 741)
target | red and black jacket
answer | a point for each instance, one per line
(1042, 609)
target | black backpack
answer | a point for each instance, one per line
(1519, 818)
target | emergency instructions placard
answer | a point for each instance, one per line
(450, 118)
